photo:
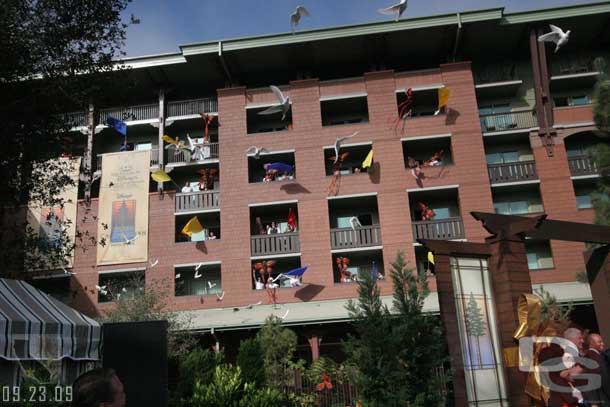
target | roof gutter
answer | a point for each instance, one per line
(225, 68)
(458, 35)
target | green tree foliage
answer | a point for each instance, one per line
(397, 353)
(228, 389)
(198, 365)
(278, 345)
(475, 324)
(57, 56)
(251, 362)
(601, 152)
(150, 304)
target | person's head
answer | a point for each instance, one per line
(574, 335)
(595, 341)
(98, 388)
(273, 224)
(186, 184)
(211, 233)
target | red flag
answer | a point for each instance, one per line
(292, 219)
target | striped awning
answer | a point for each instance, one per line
(35, 326)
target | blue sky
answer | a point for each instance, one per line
(166, 24)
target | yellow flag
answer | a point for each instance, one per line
(169, 139)
(431, 257)
(160, 176)
(368, 161)
(192, 226)
(443, 98)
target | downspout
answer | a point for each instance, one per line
(161, 132)
(224, 64)
(458, 35)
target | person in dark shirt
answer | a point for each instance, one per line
(599, 397)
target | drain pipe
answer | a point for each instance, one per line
(458, 35)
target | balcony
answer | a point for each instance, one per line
(197, 201)
(441, 229)
(191, 107)
(279, 243)
(137, 112)
(348, 238)
(75, 119)
(510, 121)
(582, 165)
(210, 152)
(154, 159)
(512, 172)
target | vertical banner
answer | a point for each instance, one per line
(55, 226)
(123, 208)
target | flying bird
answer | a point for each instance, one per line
(355, 222)
(338, 143)
(128, 241)
(220, 297)
(250, 306)
(286, 314)
(296, 16)
(256, 152)
(197, 275)
(153, 264)
(397, 9)
(283, 106)
(211, 285)
(198, 266)
(556, 36)
(177, 276)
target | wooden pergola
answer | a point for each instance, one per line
(506, 258)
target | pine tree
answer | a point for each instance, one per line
(601, 152)
(475, 324)
(397, 353)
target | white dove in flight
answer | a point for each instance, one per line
(220, 297)
(283, 106)
(197, 275)
(296, 16)
(556, 36)
(397, 9)
(338, 143)
(256, 152)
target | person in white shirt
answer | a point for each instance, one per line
(186, 188)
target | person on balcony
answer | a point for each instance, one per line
(186, 188)
(272, 230)
(211, 236)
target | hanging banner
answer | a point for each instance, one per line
(122, 227)
(55, 227)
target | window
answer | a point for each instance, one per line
(348, 110)
(258, 123)
(424, 102)
(283, 167)
(496, 117)
(114, 285)
(205, 281)
(143, 146)
(539, 255)
(503, 157)
(424, 149)
(578, 100)
(352, 163)
(584, 201)
(442, 213)
(512, 208)
(583, 192)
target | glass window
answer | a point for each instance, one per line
(519, 207)
(143, 146)
(510, 156)
(442, 213)
(494, 158)
(502, 208)
(343, 222)
(584, 201)
(532, 261)
(579, 100)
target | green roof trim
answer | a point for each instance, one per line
(550, 14)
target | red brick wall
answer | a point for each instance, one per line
(308, 138)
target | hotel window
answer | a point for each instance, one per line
(579, 100)
(344, 110)
(496, 117)
(113, 286)
(503, 157)
(424, 102)
(539, 255)
(204, 281)
(584, 190)
(259, 123)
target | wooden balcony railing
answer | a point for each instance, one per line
(512, 172)
(582, 165)
(191, 107)
(279, 243)
(138, 112)
(515, 120)
(197, 201)
(442, 229)
(154, 158)
(210, 151)
(347, 238)
(75, 119)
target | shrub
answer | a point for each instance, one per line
(198, 365)
(250, 361)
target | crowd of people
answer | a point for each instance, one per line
(575, 368)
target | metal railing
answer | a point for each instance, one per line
(278, 243)
(512, 172)
(192, 106)
(196, 201)
(154, 159)
(516, 120)
(75, 119)
(365, 236)
(209, 151)
(582, 165)
(138, 112)
(442, 229)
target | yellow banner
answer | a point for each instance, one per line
(55, 226)
(122, 227)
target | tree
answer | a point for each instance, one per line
(250, 360)
(278, 345)
(149, 304)
(601, 152)
(475, 324)
(197, 366)
(397, 353)
(57, 57)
